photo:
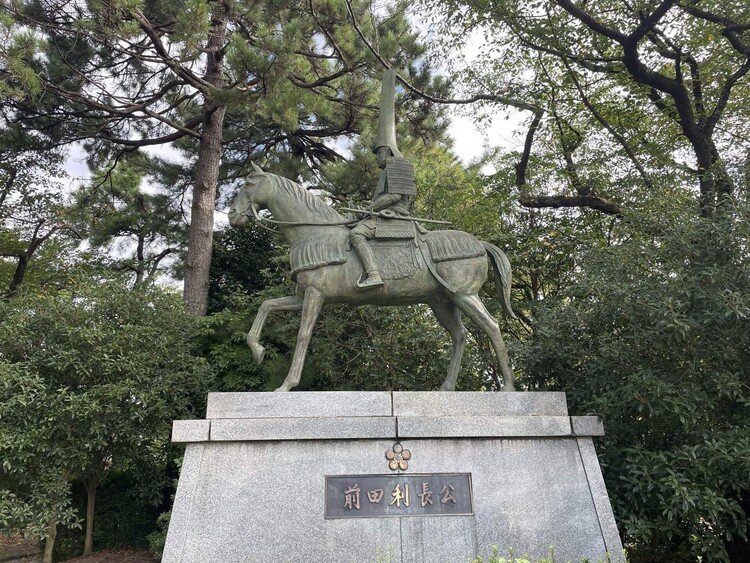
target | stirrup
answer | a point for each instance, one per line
(373, 280)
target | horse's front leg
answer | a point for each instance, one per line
(311, 305)
(268, 306)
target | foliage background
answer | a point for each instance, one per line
(631, 255)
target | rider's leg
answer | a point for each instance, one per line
(359, 238)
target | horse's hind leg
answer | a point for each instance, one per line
(449, 316)
(268, 306)
(473, 308)
(311, 305)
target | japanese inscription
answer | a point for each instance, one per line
(376, 496)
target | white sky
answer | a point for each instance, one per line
(75, 165)
(470, 141)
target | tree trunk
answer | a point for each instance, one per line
(19, 274)
(140, 262)
(91, 483)
(200, 235)
(49, 542)
(25, 256)
(716, 186)
(705, 162)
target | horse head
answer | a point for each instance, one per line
(257, 192)
(290, 204)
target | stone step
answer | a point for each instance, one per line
(384, 427)
(316, 404)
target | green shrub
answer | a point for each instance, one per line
(654, 336)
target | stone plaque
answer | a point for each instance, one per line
(378, 496)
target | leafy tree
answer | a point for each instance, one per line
(42, 443)
(140, 229)
(243, 262)
(34, 218)
(645, 85)
(247, 266)
(98, 395)
(653, 336)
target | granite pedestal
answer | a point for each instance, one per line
(253, 482)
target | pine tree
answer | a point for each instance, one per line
(220, 78)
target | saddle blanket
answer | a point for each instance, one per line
(396, 258)
(453, 245)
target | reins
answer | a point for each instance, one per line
(258, 220)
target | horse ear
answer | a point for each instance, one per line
(257, 169)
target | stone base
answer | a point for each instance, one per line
(252, 485)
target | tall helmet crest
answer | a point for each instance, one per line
(387, 116)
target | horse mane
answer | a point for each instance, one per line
(302, 195)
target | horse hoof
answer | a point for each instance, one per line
(446, 387)
(281, 389)
(258, 352)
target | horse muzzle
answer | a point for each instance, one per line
(236, 219)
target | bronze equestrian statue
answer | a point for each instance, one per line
(395, 262)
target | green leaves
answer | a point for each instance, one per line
(191, 27)
(37, 430)
(90, 378)
(18, 47)
(649, 337)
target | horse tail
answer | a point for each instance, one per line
(502, 271)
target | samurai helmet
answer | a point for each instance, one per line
(387, 117)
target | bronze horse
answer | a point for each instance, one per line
(448, 269)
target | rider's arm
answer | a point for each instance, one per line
(385, 201)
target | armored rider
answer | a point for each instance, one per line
(394, 194)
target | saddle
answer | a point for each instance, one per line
(394, 229)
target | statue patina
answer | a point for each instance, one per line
(383, 259)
